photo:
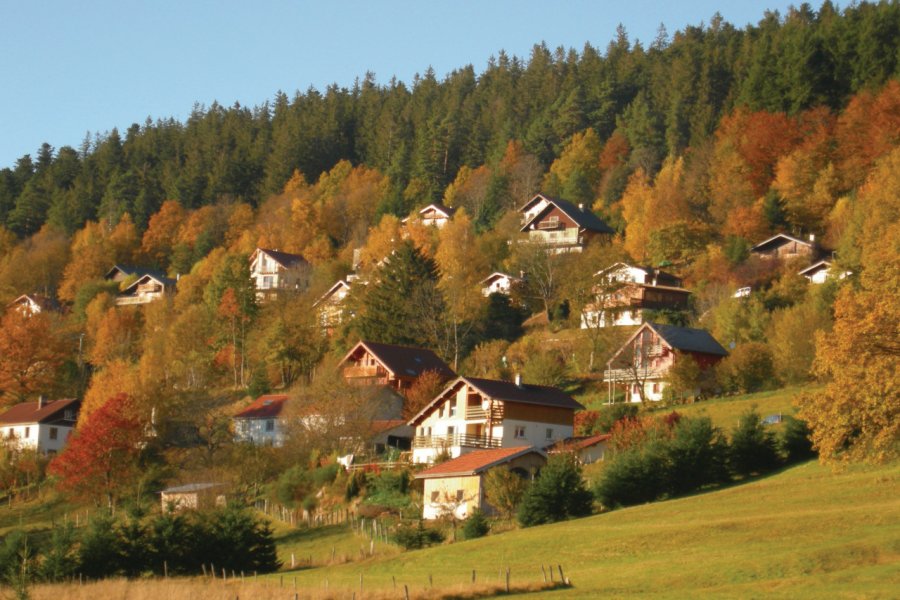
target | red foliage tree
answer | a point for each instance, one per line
(100, 459)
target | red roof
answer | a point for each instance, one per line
(30, 412)
(476, 462)
(264, 407)
(578, 443)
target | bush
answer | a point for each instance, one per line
(796, 444)
(612, 414)
(476, 525)
(504, 490)
(749, 369)
(697, 455)
(557, 494)
(633, 476)
(413, 537)
(752, 448)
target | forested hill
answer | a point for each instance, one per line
(663, 99)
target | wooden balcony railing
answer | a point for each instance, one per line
(626, 375)
(455, 439)
(362, 371)
(475, 413)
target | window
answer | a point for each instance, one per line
(270, 425)
(459, 495)
(655, 388)
(549, 433)
(520, 432)
(451, 430)
(69, 415)
(453, 408)
(434, 497)
(266, 282)
(27, 432)
(54, 433)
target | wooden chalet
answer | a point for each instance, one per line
(433, 215)
(457, 486)
(626, 291)
(563, 227)
(147, 288)
(472, 413)
(398, 367)
(273, 271)
(642, 363)
(44, 425)
(783, 246)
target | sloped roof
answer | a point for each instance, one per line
(534, 200)
(498, 275)
(778, 240)
(505, 391)
(285, 259)
(585, 219)
(404, 361)
(41, 301)
(577, 443)
(29, 412)
(688, 339)
(815, 267)
(476, 462)
(191, 487)
(331, 291)
(165, 281)
(267, 406)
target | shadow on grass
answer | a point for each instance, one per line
(312, 534)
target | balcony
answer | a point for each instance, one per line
(475, 413)
(455, 439)
(362, 371)
(630, 375)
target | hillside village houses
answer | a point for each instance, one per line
(473, 413)
(273, 271)
(625, 292)
(563, 227)
(43, 425)
(642, 364)
(457, 486)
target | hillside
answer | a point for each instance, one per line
(806, 532)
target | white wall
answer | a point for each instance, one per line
(254, 431)
(38, 436)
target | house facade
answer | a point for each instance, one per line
(433, 215)
(273, 271)
(783, 246)
(473, 414)
(262, 422)
(499, 283)
(457, 486)
(44, 426)
(625, 292)
(193, 496)
(822, 271)
(563, 227)
(330, 305)
(642, 364)
(531, 208)
(148, 288)
(398, 367)
(586, 449)
(32, 304)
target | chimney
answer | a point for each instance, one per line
(518, 380)
(41, 402)
(581, 207)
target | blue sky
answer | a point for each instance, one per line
(73, 67)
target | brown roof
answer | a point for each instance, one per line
(285, 259)
(476, 462)
(584, 218)
(507, 391)
(265, 407)
(577, 443)
(404, 361)
(29, 412)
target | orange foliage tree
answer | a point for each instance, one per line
(32, 350)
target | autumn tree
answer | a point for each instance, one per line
(423, 390)
(576, 173)
(504, 490)
(162, 233)
(101, 458)
(32, 351)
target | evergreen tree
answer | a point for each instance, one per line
(557, 494)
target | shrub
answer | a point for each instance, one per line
(557, 494)
(476, 525)
(504, 490)
(633, 476)
(749, 369)
(388, 489)
(610, 415)
(413, 537)
(796, 444)
(752, 448)
(696, 455)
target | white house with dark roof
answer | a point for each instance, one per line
(473, 413)
(273, 271)
(433, 215)
(563, 227)
(32, 304)
(262, 422)
(499, 283)
(44, 425)
(642, 364)
(148, 288)
(330, 305)
(822, 271)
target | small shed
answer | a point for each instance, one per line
(196, 496)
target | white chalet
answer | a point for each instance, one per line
(626, 291)
(472, 414)
(330, 305)
(273, 271)
(433, 215)
(44, 425)
(146, 289)
(499, 283)
(261, 423)
(32, 304)
(822, 271)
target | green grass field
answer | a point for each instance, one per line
(807, 532)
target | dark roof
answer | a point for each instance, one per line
(166, 281)
(815, 268)
(583, 218)
(265, 407)
(475, 462)
(28, 412)
(285, 259)
(688, 339)
(778, 240)
(129, 270)
(405, 361)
